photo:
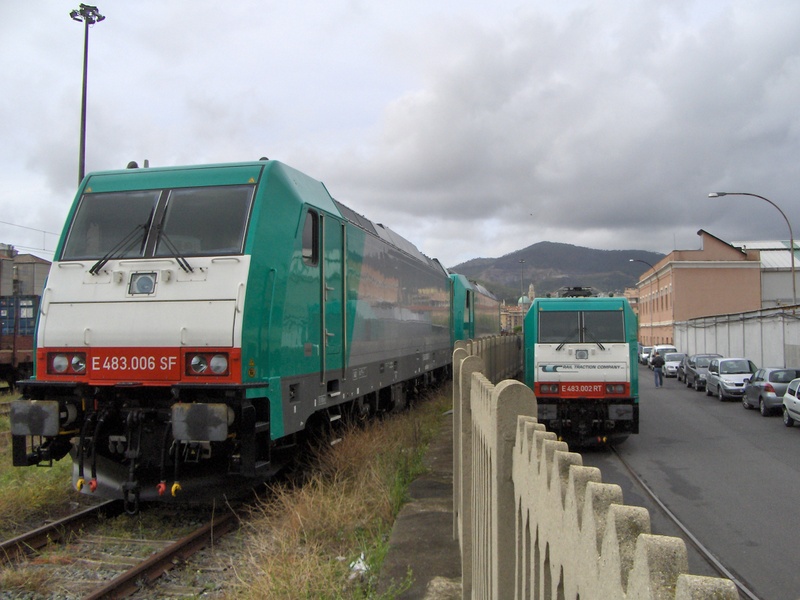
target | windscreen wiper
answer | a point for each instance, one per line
(566, 339)
(176, 254)
(588, 334)
(120, 248)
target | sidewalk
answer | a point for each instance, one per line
(421, 545)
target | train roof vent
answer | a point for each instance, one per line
(355, 218)
(397, 240)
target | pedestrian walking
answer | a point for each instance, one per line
(658, 363)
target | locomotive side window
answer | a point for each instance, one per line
(310, 239)
(206, 220)
(110, 222)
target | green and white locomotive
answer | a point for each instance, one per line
(198, 321)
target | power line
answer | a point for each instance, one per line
(31, 228)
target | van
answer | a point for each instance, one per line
(661, 349)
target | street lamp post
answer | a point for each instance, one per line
(658, 285)
(789, 225)
(521, 277)
(88, 15)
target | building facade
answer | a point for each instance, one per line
(717, 279)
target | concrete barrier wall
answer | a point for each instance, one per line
(533, 522)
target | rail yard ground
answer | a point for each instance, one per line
(326, 538)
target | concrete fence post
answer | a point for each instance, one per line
(510, 400)
(463, 477)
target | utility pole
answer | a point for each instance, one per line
(88, 15)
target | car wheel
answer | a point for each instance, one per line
(745, 403)
(787, 420)
(688, 383)
(708, 390)
(762, 408)
(720, 395)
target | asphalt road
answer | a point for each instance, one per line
(731, 476)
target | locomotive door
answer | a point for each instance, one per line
(332, 292)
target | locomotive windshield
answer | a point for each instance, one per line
(192, 221)
(572, 326)
(104, 221)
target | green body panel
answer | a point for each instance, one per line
(463, 323)
(283, 319)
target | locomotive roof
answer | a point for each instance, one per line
(381, 231)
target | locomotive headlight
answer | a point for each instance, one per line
(142, 283)
(60, 363)
(66, 363)
(198, 365)
(208, 364)
(219, 364)
(78, 363)
(616, 388)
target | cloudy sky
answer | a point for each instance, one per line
(471, 128)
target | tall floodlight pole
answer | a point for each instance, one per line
(658, 285)
(521, 277)
(789, 225)
(88, 15)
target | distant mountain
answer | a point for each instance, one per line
(550, 266)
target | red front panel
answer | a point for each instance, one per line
(583, 389)
(157, 366)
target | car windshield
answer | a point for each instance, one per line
(735, 367)
(784, 375)
(703, 362)
(673, 357)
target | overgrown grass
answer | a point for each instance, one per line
(303, 540)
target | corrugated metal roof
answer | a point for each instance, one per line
(765, 244)
(775, 254)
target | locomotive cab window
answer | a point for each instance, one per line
(207, 220)
(110, 222)
(310, 239)
(134, 224)
(564, 327)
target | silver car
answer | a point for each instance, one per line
(727, 376)
(766, 388)
(671, 362)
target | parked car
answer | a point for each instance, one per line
(766, 388)
(695, 369)
(671, 362)
(662, 349)
(644, 354)
(791, 403)
(727, 377)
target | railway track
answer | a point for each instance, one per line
(687, 535)
(77, 560)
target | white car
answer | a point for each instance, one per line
(791, 404)
(644, 354)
